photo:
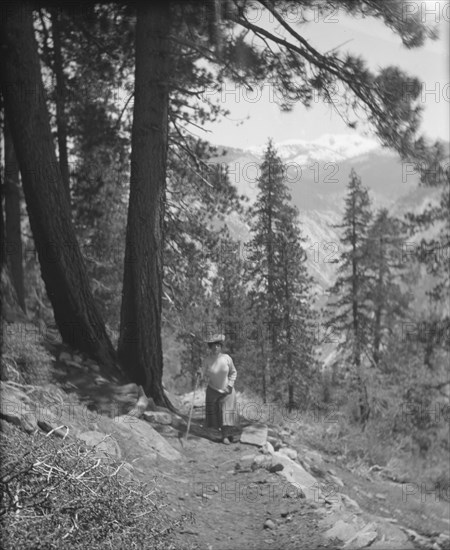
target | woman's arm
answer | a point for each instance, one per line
(232, 372)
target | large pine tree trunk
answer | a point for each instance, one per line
(13, 234)
(61, 122)
(2, 227)
(140, 348)
(62, 265)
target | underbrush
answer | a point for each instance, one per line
(57, 493)
(389, 442)
(24, 357)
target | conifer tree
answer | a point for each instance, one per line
(279, 281)
(348, 306)
(261, 267)
(296, 340)
(232, 315)
(433, 253)
(385, 291)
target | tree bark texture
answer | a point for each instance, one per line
(61, 122)
(61, 262)
(13, 234)
(140, 347)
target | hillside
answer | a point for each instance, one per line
(80, 468)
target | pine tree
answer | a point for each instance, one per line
(279, 281)
(62, 266)
(349, 309)
(12, 218)
(433, 252)
(385, 290)
(232, 316)
(261, 268)
(295, 343)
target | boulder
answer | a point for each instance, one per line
(390, 536)
(158, 417)
(255, 434)
(297, 476)
(416, 538)
(274, 468)
(362, 538)
(134, 395)
(65, 356)
(349, 502)
(342, 524)
(335, 480)
(313, 462)
(165, 429)
(17, 408)
(53, 427)
(138, 440)
(74, 364)
(261, 461)
(443, 538)
(290, 453)
(314, 457)
(251, 458)
(342, 530)
(267, 448)
(104, 444)
(272, 433)
(276, 442)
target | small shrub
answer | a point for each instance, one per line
(25, 360)
(55, 493)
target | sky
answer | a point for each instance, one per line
(254, 117)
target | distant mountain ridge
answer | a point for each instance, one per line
(317, 173)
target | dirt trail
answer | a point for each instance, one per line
(230, 506)
(233, 506)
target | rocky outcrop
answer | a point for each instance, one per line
(103, 443)
(296, 475)
(17, 408)
(255, 434)
(158, 417)
(343, 523)
(122, 437)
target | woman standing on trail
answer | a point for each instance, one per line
(220, 373)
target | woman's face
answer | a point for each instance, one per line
(215, 347)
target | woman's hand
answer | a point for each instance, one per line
(199, 377)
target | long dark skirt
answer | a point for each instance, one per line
(220, 409)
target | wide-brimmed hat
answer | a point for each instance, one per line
(215, 338)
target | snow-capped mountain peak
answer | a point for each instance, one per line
(327, 148)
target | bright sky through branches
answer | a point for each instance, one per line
(260, 117)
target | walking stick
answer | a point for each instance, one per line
(192, 406)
